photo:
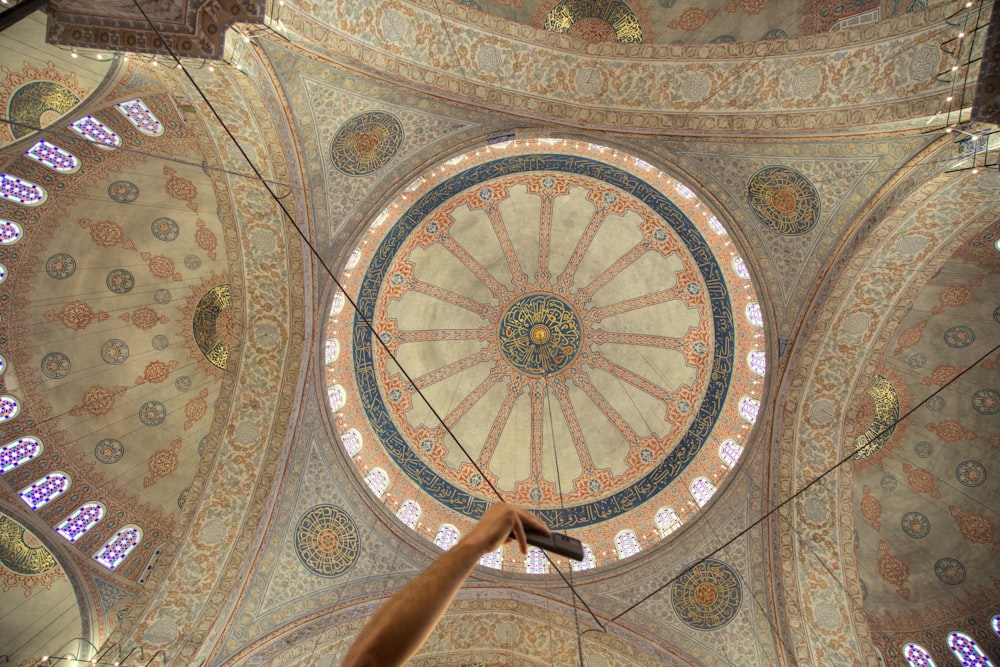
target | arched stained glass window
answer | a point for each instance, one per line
(18, 452)
(447, 536)
(493, 559)
(967, 651)
(118, 547)
(588, 561)
(3, 273)
(353, 260)
(94, 130)
(139, 115)
(409, 513)
(80, 521)
(338, 397)
(10, 232)
(749, 409)
(20, 191)
(626, 544)
(716, 226)
(995, 624)
(337, 304)
(684, 190)
(702, 490)
(53, 157)
(352, 441)
(730, 452)
(754, 314)
(741, 268)
(44, 490)
(9, 408)
(757, 361)
(917, 656)
(666, 521)
(332, 350)
(3, 364)
(535, 562)
(377, 481)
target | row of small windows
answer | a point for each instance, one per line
(27, 193)
(962, 645)
(45, 490)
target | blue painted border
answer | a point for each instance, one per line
(722, 361)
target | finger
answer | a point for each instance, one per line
(522, 539)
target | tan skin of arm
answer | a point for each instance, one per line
(401, 626)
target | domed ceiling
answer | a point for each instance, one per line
(580, 321)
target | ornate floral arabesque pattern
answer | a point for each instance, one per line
(707, 596)
(22, 564)
(212, 340)
(621, 262)
(366, 142)
(784, 200)
(539, 334)
(327, 541)
(886, 402)
(592, 21)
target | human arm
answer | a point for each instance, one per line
(400, 627)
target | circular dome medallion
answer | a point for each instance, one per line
(707, 596)
(783, 200)
(366, 142)
(326, 541)
(562, 307)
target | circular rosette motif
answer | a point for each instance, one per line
(567, 318)
(707, 596)
(784, 200)
(366, 143)
(326, 541)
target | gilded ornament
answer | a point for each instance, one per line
(212, 342)
(707, 596)
(783, 200)
(366, 142)
(326, 541)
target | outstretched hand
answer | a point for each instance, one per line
(503, 522)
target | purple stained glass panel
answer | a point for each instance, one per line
(81, 521)
(730, 452)
(627, 544)
(446, 537)
(377, 481)
(916, 656)
(535, 562)
(754, 314)
(9, 408)
(44, 490)
(121, 545)
(749, 409)
(53, 157)
(588, 562)
(702, 490)
(409, 513)
(20, 191)
(141, 117)
(967, 651)
(741, 268)
(94, 130)
(666, 521)
(494, 559)
(10, 232)
(18, 452)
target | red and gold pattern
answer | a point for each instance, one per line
(975, 528)
(106, 234)
(921, 481)
(871, 508)
(98, 401)
(181, 188)
(156, 372)
(196, 409)
(75, 315)
(893, 569)
(160, 266)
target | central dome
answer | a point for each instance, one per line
(575, 316)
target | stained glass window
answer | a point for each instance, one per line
(588, 561)
(9, 408)
(352, 441)
(967, 651)
(757, 361)
(626, 544)
(338, 397)
(20, 191)
(80, 521)
(94, 130)
(741, 268)
(19, 451)
(535, 562)
(995, 622)
(409, 513)
(493, 559)
(337, 304)
(353, 260)
(684, 190)
(754, 314)
(139, 115)
(916, 656)
(3, 273)
(749, 409)
(666, 521)
(118, 547)
(716, 226)
(730, 452)
(53, 157)
(377, 481)
(3, 364)
(10, 232)
(702, 490)
(332, 350)
(447, 536)
(44, 490)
